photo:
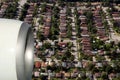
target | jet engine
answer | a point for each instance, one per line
(16, 50)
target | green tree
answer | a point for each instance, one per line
(108, 69)
(43, 7)
(104, 76)
(40, 36)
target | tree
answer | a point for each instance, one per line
(68, 11)
(106, 2)
(107, 46)
(35, 10)
(56, 11)
(49, 67)
(72, 58)
(24, 11)
(76, 12)
(108, 69)
(90, 66)
(43, 77)
(68, 53)
(104, 76)
(95, 70)
(40, 36)
(119, 44)
(116, 79)
(61, 3)
(69, 31)
(94, 31)
(70, 44)
(43, 7)
(89, 4)
(11, 11)
(47, 45)
(79, 78)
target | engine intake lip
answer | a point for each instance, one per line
(24, 53)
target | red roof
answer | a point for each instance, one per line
(62, 44)
(37, 64)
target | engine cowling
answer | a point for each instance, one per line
(16, 50)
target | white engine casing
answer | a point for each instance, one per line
(16, 50)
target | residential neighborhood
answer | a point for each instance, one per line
(73, 40)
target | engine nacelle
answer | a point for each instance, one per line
(16, 50)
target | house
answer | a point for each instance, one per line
(86, 47)
(36, 74)
(88, 52)
(73, 75)
(37, 64)
(47, 24)
(46, 31)
(44, 73)
(51, 63)
(43, 64)
(29, 15)
(76, 70)
(63, 16)
(85, 39)
(30, 10)
(63, 20)
(94, 59)
(61, 52)
(96, 75)
(64, 64)
(115, 14)
(63, 35)
(82, 17)
(101, 52)
(52, 75)
(3, 8)
(85, 64)
(69, 64)
(63, 29)
(111, 76)
(89, 75)
(79, 64)
(1, 14)
(83, 20)
(62, 44)
(81, 74)
(58, 75)
(98, 64)
(37, 47)
(28, 20)
(99, 25)
(84, 33)
(67, 75)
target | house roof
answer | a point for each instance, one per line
(63, 34)
(58, 75)
(43, 64)
(67, 75)
(98, 74)
(37, 64)
(62, 44)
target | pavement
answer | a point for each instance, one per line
(74, 37)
